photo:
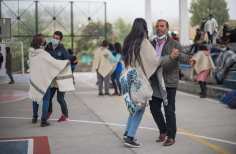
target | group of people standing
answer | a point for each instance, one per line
(107, 63)
(146, 58)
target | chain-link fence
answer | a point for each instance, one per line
(83, 24)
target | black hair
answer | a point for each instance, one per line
(59, 33)
(132, 42)
(111, 47)
(7, 49)
(211, 15)
(117, 47)
(167, 24)
(223, 42)
(197, 29)
(202, 47)
(37, 41)
(70, 51)
(104, 43)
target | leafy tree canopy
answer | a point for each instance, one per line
(202, 8)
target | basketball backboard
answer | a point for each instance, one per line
(5, 27)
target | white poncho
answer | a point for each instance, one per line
(43, 70)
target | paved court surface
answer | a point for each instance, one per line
(96, 125)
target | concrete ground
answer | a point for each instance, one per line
(96, 125)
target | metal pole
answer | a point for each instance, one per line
(72, 26)
(105, 20)
(0, 8)
(36, 17)
(0, 14)
(22, 58)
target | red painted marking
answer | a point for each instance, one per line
(41, 145)
(8, 96)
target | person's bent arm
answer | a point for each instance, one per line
(114, 59)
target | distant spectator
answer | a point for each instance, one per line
(211, 27)
(8, 65)
(175, 37)
(226, 29)
(1, 59)
(196, 39)
(73, 62)
(202, 40)
(104, 67)
(115, 77)
(202, 65)
(232, 35)
(203, 23)
(226, 59)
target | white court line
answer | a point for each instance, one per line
(83, 92)
(113, 124)
(211, 100)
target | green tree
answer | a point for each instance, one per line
(122, 29)
(202, 8)
(93, 35)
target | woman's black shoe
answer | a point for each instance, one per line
(44, 123)
(34, 120)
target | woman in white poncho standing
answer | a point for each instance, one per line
(43, 69)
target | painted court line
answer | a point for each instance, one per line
(121, 125)
(179, 129)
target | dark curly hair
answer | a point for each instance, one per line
(37, 41)
(132, 42)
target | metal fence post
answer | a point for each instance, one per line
(72, 26)
(22, 58)
(36, 17)
(105, 19)
(0, 14)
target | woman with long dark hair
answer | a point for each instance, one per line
(139, 54)
(116, 74)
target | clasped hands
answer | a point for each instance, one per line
(175, 53)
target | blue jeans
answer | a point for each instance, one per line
(115, 78)
(133, 123)
(45, 104)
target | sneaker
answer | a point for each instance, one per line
(34, 120)
(100, 94)
(132, 143)
(48, 115)
(125, 137)
(107, 93)
(44, 123)
(63, 118)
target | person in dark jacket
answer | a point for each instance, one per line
(203, 23)
(8, 65)
(73, 63)
(1, 60)
(58, 51)
(165, 45)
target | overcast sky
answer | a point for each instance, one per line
(131, 9)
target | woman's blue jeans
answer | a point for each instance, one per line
(45, 104)
(133, 123)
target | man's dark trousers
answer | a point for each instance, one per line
(155, 106)
(60, 99)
